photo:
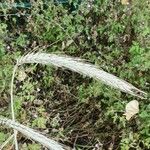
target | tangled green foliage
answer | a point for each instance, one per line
(76, 110)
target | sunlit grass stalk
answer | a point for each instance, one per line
(12, 105)
(7, 141)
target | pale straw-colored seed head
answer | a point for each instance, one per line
(78, 65)
(30, 133)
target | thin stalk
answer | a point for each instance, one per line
(6, 142)
(12, 105)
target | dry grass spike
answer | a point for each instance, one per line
(78, 65)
